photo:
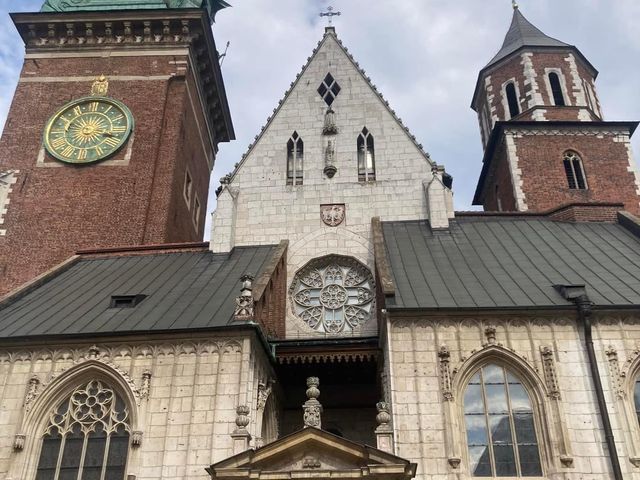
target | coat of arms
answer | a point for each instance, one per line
(332, 215)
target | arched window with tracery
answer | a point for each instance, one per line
(87, 436)
(500, 426)
(366, 157)
(574, 171)
(295, 160)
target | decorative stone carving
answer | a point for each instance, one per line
(244, 311)
(384, 417)
(32, 392)
(136, 438)
(445, 373)
(490, 333)
(384, 431)
(93, 352)
(330, 168)
(614, 369)
(333, 215)
(19, 441)
(550, 374)
(100, 87)
(241, 436)
(311, 463)
(454, 462)
(145, 388)
(264, 390)
(312, 408)
(330, 127)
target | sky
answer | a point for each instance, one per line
(423, 55)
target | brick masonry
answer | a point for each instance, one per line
(55, 211)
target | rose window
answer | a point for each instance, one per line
(333, 294)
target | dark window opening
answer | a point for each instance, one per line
(366, 157)
(329, 89)
(512, 99)
(574, 171)
(126, 301)
(295, 159)
(556, 89)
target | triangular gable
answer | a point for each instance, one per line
(330, 35)
(316, 453)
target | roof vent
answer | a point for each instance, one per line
(126, 301)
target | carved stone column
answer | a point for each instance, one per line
(312, 408)
(241, 436)
(384, 432)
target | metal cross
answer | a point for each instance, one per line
(330, 14)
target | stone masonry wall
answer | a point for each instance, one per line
(548, 356)
(185, 409)
(258, 207)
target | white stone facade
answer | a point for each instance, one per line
(181, 394)
(549, 356)
(258, 207)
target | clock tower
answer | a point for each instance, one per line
(112, 133)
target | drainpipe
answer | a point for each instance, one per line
(578, 295)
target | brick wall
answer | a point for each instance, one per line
(56, 209)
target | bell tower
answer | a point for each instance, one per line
(545, 139)
(113, 130)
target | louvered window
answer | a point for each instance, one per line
(295, 160)
(499, 420)
(574, 171)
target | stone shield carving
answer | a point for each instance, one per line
(332, 215)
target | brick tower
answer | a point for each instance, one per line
(112, 133)
(545, 140)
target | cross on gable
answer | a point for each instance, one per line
(330, 14)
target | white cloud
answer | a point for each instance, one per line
(424, 55)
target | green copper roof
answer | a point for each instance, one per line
(212, 6)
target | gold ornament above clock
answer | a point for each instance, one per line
(89, 129)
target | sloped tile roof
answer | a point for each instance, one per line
(187, 290)
(489, 262)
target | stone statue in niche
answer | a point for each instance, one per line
(330, 127)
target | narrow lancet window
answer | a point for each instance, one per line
(501, 434)
(512, 100)
(575, 171)
(556, 89)
(295, 160)
(366, 157)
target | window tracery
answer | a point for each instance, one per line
(499, 419)
(333, 294)
(295, 160)
(87, 436)
(366, 157)
(575, 171)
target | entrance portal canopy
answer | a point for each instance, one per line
(313, 453)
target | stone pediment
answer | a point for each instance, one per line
(313, 453)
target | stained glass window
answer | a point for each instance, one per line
(333, 294)
(87, 437)
(501, 434)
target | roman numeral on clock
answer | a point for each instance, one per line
(82, 154)
(112, 142)
(59, 142)
(118, 129)
(93, 106)
(68, 151)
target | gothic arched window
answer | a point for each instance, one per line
(87, 436)
(575, 171)
(333, 294)
(512, 100)
(501, 434)
(556, 89)
(366, 157)
(295, 160)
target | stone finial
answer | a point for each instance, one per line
(244, 311)
(241, 436)
(490, 333)
(312, 407)
(384, 432)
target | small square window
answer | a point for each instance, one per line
(196, 213)
(125, 301)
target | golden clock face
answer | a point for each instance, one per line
(88, 130)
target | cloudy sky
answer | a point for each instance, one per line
(424, 56)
